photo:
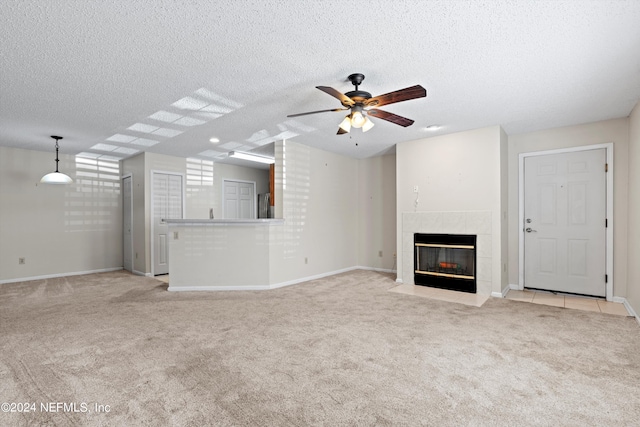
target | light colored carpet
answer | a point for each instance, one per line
(336, 351)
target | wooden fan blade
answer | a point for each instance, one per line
(341, 131)
(397, 96)
(390, 117)
(346, 101)
(315, 112)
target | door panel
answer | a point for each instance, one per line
(230, 199)
(127, 221)
(548, 256)
(167, 204)
(565, 236)
(577, 194)
(239, 200)
(577, 257)
(548, 204)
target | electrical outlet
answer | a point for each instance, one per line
(306, 260)
(175, 235)
(136, 255)
(394, 255)
(415, 188)
(21, 260)
(380, 254)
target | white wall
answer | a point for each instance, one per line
(377, 212)
(633, 230)
(459, 172)
(320, 209)
(58, 229)
(615, 131)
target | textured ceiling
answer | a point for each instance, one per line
(115, 77)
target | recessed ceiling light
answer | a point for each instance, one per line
(432, 128)
(214, 140)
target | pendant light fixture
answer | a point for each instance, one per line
(56, 177)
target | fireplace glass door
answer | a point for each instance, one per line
(446, 261)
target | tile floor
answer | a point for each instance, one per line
(441, 294)
(568, 301)
(535, 297)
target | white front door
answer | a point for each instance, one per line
(127, 221)
(167, 204)
(239, 200)
(564, 222)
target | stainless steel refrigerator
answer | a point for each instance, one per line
(264, 210)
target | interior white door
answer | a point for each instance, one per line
(239, 200)
(565, 214)
(127, 222)
(167, 204)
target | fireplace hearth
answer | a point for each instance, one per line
(446, 261)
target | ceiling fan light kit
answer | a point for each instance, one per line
(361, 105)
(346, 124)
(56, 177)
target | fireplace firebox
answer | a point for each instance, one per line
(446, 261)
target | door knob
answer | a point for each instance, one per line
(529, 230)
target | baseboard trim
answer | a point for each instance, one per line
(260, 287)
(314, 277)
(217, 288)
(630, 309)
(381, 270)
(500, 294)
(514, 287)
(54, 276)
(140, 273)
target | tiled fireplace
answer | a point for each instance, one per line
(475, 223)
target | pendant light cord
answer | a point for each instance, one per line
(57, 147)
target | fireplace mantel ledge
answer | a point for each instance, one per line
(219, 222)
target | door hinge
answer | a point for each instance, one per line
(606, 278)
(606, 223)
(606, 167)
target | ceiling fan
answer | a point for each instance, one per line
(362, 105)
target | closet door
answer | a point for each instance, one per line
(167, 204)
